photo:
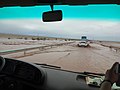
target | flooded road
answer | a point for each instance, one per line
(95, 58)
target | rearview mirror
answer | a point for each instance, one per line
(51, 16)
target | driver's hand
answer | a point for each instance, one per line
(111, 74)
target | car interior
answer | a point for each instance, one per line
(22, 75)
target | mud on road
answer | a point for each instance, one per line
(95, 58)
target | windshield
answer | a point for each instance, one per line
(24, 36)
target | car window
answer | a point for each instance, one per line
(24, 36)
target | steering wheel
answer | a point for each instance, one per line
(7, 83)
(2, 63)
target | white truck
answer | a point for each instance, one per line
(83, 42)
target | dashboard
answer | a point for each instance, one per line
(19, 75)
(22, 70)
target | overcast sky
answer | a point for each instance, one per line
(68, 28)
(100, 22)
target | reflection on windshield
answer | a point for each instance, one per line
(25, 37)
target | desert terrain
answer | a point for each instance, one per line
(98, 57)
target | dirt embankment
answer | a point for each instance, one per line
(115, 46)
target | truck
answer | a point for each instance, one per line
(84, 42)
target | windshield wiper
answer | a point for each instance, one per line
(83, 73)
(46, 65)
(91, 73)
(86, 74)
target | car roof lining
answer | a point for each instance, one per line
(23, 3)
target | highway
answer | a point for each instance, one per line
(95, 58)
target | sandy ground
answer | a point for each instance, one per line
(110, 43)
(95, 58)
(6, 44)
